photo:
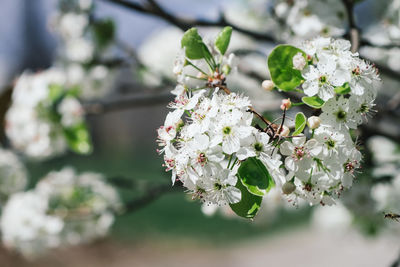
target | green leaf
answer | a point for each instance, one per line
(344, 89)
(78, 138)
(280, 64)
(223, 39)
(255, 176)
(194, 45)
(313, 101)
(56, 92)
(103, 32)
(249, 204)
(300, 123)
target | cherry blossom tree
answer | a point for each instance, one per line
(274, 98)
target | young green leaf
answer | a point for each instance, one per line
(313, 101)
(280, 64)
(78, 138)
(255, 176)
(300, 123)
(56, 92)
(249, 204)
(344, 89)
(103, 32)
(223, 39)
(194, 45)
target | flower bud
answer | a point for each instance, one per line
(286, 104)
(313, 122)
(226, 69)
(268, 85)
(288, 188)
(284, 131)
(299, 62)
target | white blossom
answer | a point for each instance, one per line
(63, 209)
(13, 175)
(299, 62)
(30, 123)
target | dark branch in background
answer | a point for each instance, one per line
(154, 9)
(5, 101)
(126, 102)
(354, 32)
(151, 192)
(396, 263)
(151, 195)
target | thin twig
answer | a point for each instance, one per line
(354, 32)
(154, 9)
(151, 195)
(126, 102)
(396, 263)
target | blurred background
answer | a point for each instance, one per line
(171, 229)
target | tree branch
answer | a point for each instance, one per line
(151, 195)
(396, 263)
(126, 102)
(154, 9)
(354, 32)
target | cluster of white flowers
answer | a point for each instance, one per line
(63, 209)
(310, 18)
(331, 64)
(322, 166)
(209, 133)
(386, 158)
(13, 175)
(290, 20)
(94, 82)
(387, 195)
(202, 152)
(78, 49)
(385, 29)
(35, 120)
(71, 25)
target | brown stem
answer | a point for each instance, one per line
(151, 195)
(354, 32)
(126, 102)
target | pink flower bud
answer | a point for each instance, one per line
(286, 104)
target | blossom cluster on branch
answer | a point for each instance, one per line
(213, 144)
(64, 208)
(45, 118)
